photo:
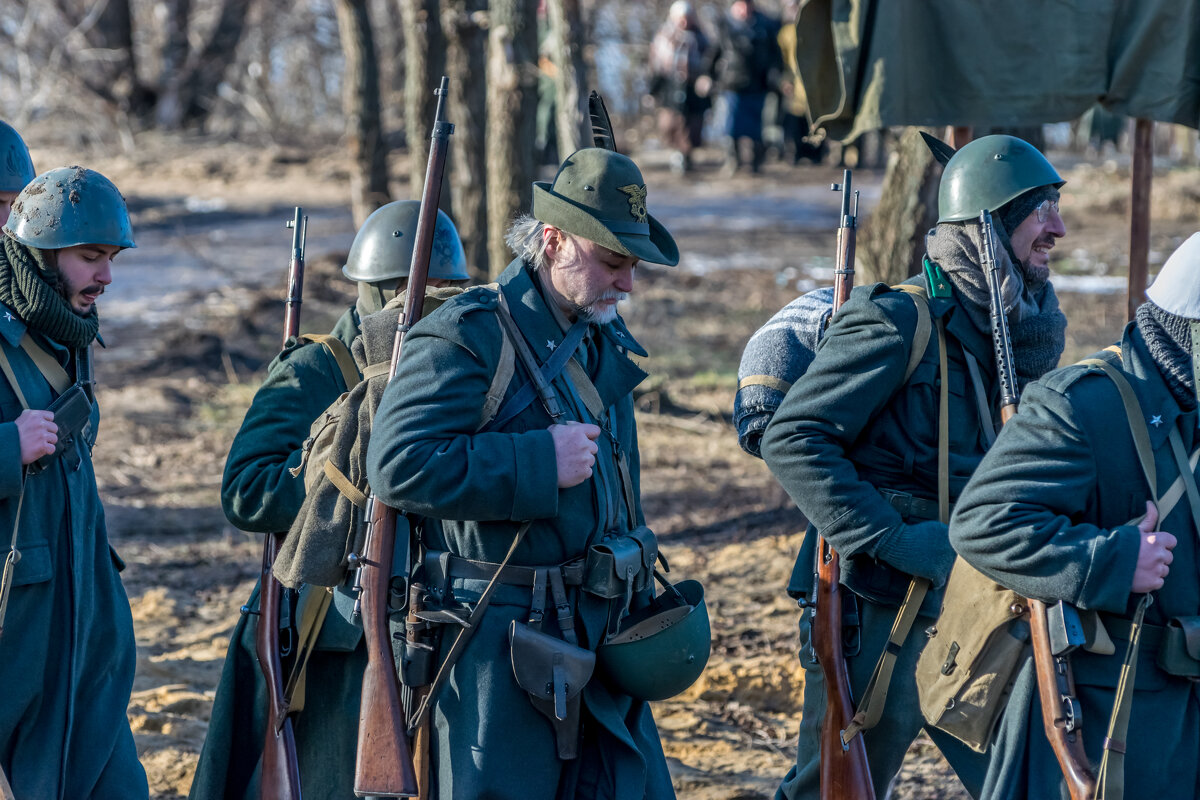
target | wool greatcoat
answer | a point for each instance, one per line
(427, 457)
(1048, 514)
(67, 652)
(849, 427)
(259, 494)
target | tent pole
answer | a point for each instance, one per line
(1139, 225)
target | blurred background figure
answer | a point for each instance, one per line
(679, 82)
(793, 105)
(746, 64)
(16, 168)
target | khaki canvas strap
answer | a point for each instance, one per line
(344, 484)
(923, 329)
(340, 353)
(770, 381)
(6, 368)
(1137, 422)
(47, 364)
(310, 616)
(506, 367)
(375, 370)
(870, 710)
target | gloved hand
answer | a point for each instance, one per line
(921, 548)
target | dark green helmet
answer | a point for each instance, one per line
(16, 167)
(660, 650)
(70, 206)
(383, 246)
(987, 173)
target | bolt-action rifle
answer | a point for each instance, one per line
(280, 768)
(384, 767)
(1060, 709)
(845, 774)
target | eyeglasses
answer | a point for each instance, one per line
(1043, 209)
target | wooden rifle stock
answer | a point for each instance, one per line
(845, 773)
(1055, 686)
(384, 766)
(280, 767)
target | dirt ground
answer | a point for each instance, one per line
(195, 315)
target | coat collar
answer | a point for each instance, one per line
(12, 328)
(614, 374)
(1160, 408)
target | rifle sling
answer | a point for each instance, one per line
(340, 353)
(465, 634)
(870, 710)
(14, 555)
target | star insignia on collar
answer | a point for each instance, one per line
(550, 345)
(8, 316)
(1156, 420)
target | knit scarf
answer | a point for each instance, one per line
(28, 285)
(1169, 340)
(1036, 324)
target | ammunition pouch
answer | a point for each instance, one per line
(1179, 653)
(619, 566)
(554, 673)
(72, 412)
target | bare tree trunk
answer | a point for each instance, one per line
(570, 79)
(360, 100)
(207, 68)
(424, 64)
(892, 241)
(169, 112)
(511, 114)
(463, 24)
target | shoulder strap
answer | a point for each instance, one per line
(340, 353)
(6, 368)
(924, 326)
(47, 364)
(1137, 422)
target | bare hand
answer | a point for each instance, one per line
(1154, 555)
(38, 434)
(574, 452)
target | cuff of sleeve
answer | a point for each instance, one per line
(1109, 578)
(10, 467)
(920, 549)
(536, 479)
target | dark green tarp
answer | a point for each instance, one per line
(868, 64)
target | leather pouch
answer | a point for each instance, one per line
(1179, 653)
(554, 673)
(620, 565)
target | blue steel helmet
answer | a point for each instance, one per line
(16, 167)
(383, 247)
(987, 173)
(70, 206)
(660, 650)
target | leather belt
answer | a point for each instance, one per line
(911, 507)
(513, 575)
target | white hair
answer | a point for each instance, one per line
(526, 239)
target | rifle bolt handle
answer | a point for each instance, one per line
(248, 610)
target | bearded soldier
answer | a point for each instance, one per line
(263, 489)
(856, 440)
(67, 649)
(16, 168)
(1062, 509)
(517, 508)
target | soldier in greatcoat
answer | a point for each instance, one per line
(67, 649)
(855, 442)
(1062, 510)
(549, 495)
(263, 488)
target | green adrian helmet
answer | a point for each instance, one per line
(16, 167)
(987, 173)
(70, 206)
(383, 247)
(660, 650)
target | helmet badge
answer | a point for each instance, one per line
(637, 200)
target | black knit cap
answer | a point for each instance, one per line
(1014, 212)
